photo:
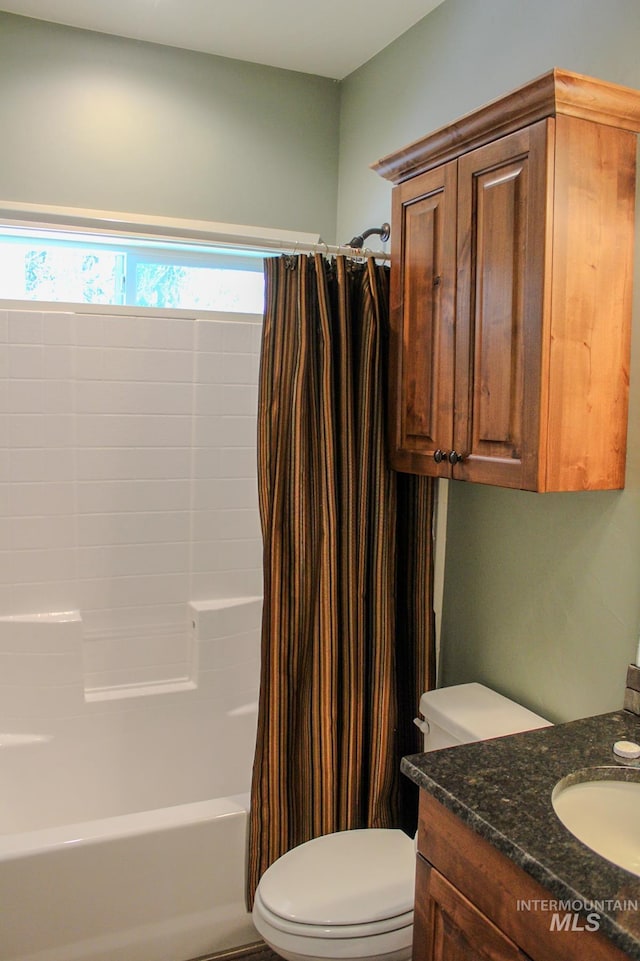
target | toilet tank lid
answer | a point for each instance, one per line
(473, 712)
(351, 877)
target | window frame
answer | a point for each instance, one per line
(146, 233)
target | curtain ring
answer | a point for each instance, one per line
(290, 259)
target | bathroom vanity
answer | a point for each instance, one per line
(498, 876)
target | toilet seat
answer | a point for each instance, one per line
(366, 929)
(348, 878)
(310, 943)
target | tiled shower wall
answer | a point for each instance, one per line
(127, 479)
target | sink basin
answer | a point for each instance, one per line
(601, 807)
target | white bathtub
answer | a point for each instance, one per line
(123, 827)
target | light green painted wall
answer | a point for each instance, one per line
(90, 120)
(542, 592)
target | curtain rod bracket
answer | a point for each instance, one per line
(384, 232)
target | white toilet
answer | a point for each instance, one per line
(350, 894)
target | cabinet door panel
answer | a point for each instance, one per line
(501, 241)
(422, 321)
(498, 350)
(448, 927)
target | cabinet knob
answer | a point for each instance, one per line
(439, 456)
(455, 457)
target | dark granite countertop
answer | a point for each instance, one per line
(502, 789)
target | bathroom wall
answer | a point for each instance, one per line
(127, 482)
(542, 592)
(90, 120)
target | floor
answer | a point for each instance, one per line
(250, 952)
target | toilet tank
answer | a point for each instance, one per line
(471, 712)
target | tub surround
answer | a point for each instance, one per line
(131, 748)
(502, 790)
(141, 827)
(46, 675)
(127, 486)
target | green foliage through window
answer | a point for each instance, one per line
(56, 267)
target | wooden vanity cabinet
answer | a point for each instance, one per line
(512, 262)
(448, 927)
(467, 899)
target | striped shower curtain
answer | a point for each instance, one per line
(347, 634)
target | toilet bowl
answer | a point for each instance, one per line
(350, 894)
(344, 895)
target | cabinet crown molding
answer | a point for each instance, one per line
(557, 92)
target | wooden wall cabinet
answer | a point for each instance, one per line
(512, 263)
(467, 896)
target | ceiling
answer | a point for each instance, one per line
(330, 38)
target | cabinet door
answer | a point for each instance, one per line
(502, 229)
(422, 322)
(448, 927)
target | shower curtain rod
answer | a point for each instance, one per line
(345, 250)
(355, 247)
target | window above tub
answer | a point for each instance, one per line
(59, 255)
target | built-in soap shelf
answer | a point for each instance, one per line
(54, 663)
(123, 660)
